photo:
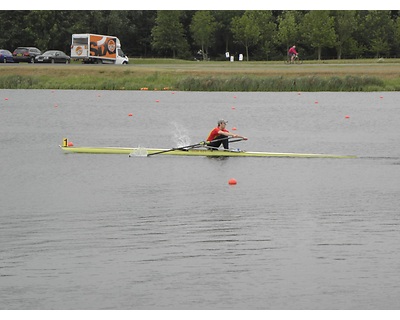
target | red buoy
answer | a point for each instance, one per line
(70, 144)
(232, 181)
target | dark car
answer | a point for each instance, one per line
(6, 56)
(25, 54)
(53, 56)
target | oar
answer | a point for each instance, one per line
(236, 140)
(216, 148)
(179, 148)
(202, 143)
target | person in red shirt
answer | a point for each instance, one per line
(292, 53)
(220, 135)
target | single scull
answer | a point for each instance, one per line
(194, 152)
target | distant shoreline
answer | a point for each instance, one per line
(168, 74)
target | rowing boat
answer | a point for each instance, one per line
(195, 152)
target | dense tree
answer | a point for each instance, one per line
(318, 30)
(396, 42)
(268, 29)
(345, 25)
(288, 29)
(168, 33)
(203, 27)
(246, 30)
(138, 42)
(11, 24)
(381, 30)
(223, 35)
(146, 33)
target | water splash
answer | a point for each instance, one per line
(139, 152)
(180, 136)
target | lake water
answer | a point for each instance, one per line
(81, 231)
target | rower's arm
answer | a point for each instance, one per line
(229, 134)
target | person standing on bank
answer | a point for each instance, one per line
(220, 135)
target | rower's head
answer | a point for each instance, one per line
(222, 122)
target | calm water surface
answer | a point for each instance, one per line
(164, 232)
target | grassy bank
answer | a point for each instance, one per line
(369, 75)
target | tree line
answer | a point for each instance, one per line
(258, 35)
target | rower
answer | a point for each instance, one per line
(220, 135)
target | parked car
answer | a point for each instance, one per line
(25, 54)
(53, 56)
(6, 56)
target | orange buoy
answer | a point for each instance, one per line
(347, 117)
(232, 181)
(233, 108)
(157, 100)
(70, 144)
(234, 128)
(130, 115)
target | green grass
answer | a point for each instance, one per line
(163, 74)
(280, 83)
